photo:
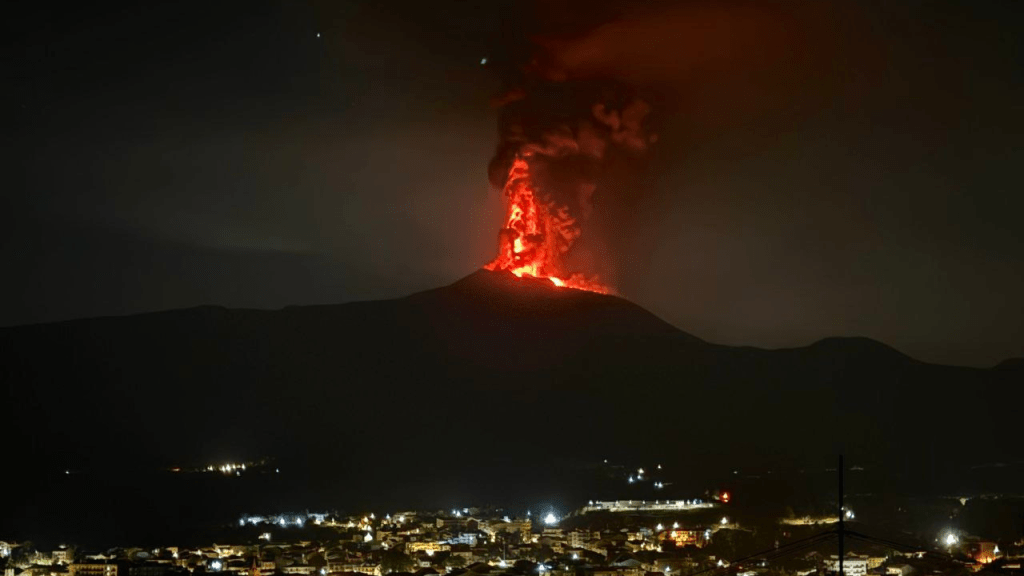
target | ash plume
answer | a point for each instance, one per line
(575, 136)
(569, 137)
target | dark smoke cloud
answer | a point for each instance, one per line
(574, 135)
(584, 103)
(679, 42)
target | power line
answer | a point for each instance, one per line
(900, 546)
(839, 533)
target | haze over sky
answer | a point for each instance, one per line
(822, 169)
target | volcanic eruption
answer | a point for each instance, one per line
(556, 140)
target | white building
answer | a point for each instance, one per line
(468, 539)
(645, 506)
(852, 566)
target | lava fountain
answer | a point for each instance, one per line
(562, 144)
(537, 232)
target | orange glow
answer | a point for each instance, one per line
(725, 497)
(687, 538)
(536, 234)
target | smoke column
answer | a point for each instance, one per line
(558, 143)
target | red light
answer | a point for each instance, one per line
(725, 497)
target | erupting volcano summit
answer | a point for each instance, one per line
(557, 145)
(537, 232)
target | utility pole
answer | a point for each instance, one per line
(842, 515)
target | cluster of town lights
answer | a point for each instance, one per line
(229, 468)
(440, 544)
(285, 520)
(641, 475)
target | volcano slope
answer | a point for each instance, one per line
(480, 375)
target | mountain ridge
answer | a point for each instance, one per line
(496, 282)
(488, 329)
(408, 400)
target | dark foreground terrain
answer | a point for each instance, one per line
(491, 388)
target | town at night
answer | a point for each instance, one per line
(512, 288)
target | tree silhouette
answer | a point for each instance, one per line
(455, 561)
(395, 561)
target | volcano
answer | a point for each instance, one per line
(492, 373)
(491, 345)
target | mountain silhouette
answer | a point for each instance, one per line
(476, 378)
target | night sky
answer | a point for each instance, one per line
(823, 168)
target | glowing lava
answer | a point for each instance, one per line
(537, 233)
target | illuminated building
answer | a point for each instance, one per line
(645, 506)
(684, 537)
(524, 527)
(852, 565)
(370, 569)
(41, 559)
(875, 562)
(458, 523)
(429, 547)
(96, 569)
(468, 539)
(810, 520)
(984, 552)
